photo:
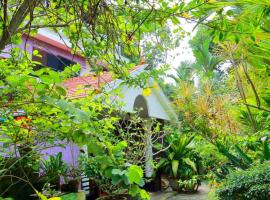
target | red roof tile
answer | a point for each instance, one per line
(78, 87)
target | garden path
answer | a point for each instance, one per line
(171, 195)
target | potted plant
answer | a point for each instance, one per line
(74, 173)
(53, 168)
(190, 185)
(179, 163)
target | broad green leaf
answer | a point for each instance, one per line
(61, 90)
(118, 171)
(135, 174)
(175, 165)
(59, 198)
(144, 195)
(116, 179)
(190, 163)
(41, 196)
(134, 190)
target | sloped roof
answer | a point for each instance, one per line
(78, 87)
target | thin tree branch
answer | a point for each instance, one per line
(252, 86)
(42, 26)
(257, 107)
(17, 19)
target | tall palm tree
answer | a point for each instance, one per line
(206, 63)
(183, 73)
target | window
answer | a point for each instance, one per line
(57, 63)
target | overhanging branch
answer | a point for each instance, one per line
(17, 19)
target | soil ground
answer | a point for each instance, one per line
(171, 195)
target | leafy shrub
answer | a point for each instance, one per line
(241, 156)
(54, 167)
(181, 159)
(190, 185)
(252, 184)
(110, 171)
(181, 163)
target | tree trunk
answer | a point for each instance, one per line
(25, 8)
(148, 150)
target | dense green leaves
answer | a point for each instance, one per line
(235, 32)
(250, 184)
(110, 167)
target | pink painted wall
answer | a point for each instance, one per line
(70, 153)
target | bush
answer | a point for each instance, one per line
(251, 184)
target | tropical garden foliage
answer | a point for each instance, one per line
(222, 99)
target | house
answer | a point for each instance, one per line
(56, 54)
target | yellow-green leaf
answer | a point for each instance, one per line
(41, 196)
